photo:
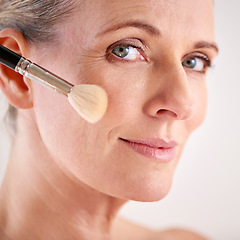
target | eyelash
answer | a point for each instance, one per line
(203, 57)
(131, 42)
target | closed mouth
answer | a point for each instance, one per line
(157, 149)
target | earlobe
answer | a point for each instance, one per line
(14, 88)
(12, 84)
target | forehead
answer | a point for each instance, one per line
(164, 14)
(164, 7)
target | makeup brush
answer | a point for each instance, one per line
(90, 101)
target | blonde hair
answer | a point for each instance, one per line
(36, 20)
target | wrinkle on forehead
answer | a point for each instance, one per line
(171, 17)
(148, 3)
(175, 13)
(129, 8)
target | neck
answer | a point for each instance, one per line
(40, 201)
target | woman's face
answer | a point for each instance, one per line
(151, 57)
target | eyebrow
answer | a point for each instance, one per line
(137, 24)
(153, 31)
(205, 44)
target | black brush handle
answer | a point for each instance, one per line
(33, 71)
(8, 57)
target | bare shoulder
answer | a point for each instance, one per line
(180, 234)
(125, 230)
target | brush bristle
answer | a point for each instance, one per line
(90, 101)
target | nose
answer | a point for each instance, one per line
(172, 97)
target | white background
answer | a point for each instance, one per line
(206, 194)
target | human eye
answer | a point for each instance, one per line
(198, 62)
(126, 50)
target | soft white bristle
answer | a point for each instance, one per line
(90, 101)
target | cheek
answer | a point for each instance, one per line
(200, 106)
(56, 120)
(125, 90)
(72, 143)
(201, 102)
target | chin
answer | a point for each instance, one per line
(148, 191)
(151, 196)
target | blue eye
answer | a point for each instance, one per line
(195, 63)
(127, 52)
(121, 51)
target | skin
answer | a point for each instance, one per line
(67, 178)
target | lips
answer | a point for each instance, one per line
(156, 149)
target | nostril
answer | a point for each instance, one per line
(166, 112)
(183, 113)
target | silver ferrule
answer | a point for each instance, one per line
(43, 77)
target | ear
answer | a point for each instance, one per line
(14, 86)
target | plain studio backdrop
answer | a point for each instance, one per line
(206, 194)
